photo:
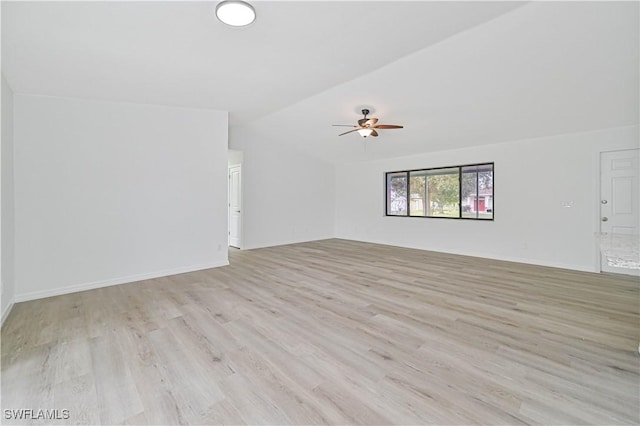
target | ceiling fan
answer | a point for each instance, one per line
(367, 126)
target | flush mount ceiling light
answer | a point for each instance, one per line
(235, 13)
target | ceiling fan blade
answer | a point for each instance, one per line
(373, 133)
(350, 131)
(387, 126)
(343, 125)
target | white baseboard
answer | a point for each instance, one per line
(115, 281)
(282, 243)
(492, 256)
(6, 313)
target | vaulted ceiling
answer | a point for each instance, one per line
(543, 69)
(178, 53)
(456, 74)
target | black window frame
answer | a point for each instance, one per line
(459, 167)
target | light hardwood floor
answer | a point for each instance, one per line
(334, 332)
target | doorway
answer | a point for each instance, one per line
(235, 206)
(619, 204)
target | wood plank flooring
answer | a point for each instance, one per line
(334, 332)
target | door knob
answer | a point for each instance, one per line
(603, 201)
(604, 219)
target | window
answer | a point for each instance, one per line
(459, 192)
(435, 192)
(477, 191)
(396, 194)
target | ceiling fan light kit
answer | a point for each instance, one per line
(365, 132)
(367, 126)
(235, 13)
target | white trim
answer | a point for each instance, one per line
(490, 256)
(6, 313)
(597, 183)
(115, 281)
(289, 242)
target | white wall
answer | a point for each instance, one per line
(7, 294)
(111, 192)
(288, 197)
(532, 179)
(235, 157)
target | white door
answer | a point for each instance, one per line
(235, 206)
(619, 193)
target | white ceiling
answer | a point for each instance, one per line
(456, 74)
(543, 69)
(178, 53)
